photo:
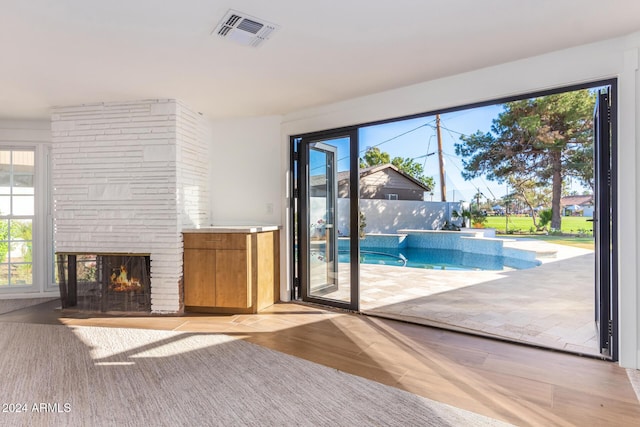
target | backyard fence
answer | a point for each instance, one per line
(388, 216)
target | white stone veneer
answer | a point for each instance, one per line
(128, 177)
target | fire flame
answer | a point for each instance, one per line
(121, 283)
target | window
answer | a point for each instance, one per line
(17, 212)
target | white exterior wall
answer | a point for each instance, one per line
(388, 216)
(123, 182)
(616, 58)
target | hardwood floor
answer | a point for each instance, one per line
(510, 382)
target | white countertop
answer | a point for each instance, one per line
(233, 229)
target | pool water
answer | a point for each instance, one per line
(436, 259)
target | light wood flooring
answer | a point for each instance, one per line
(518, 384)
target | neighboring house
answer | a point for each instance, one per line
(384, 182)
(376, 182)
(577, 205)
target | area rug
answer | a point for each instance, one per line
(56, 375)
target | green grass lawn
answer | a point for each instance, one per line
(576, 230)
(524, 224)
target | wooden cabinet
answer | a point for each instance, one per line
(230, 272)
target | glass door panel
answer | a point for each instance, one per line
(326, 215)
(323, 236)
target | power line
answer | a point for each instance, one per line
(427, 124)
(424, 164)
(394, 138)
(398, 136)
(428, 153)
(451, 156)
(449, 130)
(489, 189)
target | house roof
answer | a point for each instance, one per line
(58, 53)
(584, 200)
(343, 176)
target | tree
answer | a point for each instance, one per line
(414, 169)
(374, 157)
(23, 230)
(538, 140)
(533, 194)
(477, 198)
(4, 237)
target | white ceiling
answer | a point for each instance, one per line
(69, 52)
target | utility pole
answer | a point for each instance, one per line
(443, 186)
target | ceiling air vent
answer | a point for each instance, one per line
(244, 29)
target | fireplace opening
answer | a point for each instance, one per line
(104, 282)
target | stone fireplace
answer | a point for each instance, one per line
(128, 177)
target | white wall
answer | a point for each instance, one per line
(588, 63)
(25, 131)
(245, 172)
(35, 134)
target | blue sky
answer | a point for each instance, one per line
(417, 137)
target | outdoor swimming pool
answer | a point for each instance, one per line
(436, 259)
(438, 250)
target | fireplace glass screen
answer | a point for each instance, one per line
(104, 282)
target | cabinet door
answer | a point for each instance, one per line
(232, 279)
(199, 277)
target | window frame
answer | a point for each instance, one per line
(42, 225)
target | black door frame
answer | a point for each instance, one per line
(605, 224)
(296, 189)
(299, 145)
